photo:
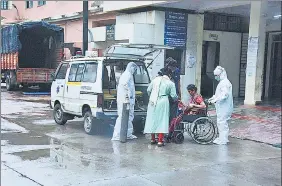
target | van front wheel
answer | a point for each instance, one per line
(88, 122)
(59, 115)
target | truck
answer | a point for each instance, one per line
(30, 53)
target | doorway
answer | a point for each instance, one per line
(275, 71)
(210, 60)
(176, 54)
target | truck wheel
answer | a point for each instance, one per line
(88, 122)
(59, 115)
(9, 85)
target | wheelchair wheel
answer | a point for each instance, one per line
(179, 138)
(203, 130)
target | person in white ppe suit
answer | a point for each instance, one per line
(125, 94)
(223, 101)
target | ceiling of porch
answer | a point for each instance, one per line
(241, 8)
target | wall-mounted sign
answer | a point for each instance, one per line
(175, 33)
(110, 33)
(252, 55)
(213, 36)
(191, 60)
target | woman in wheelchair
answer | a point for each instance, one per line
(200, 127)
(196, 105)
(195, 108)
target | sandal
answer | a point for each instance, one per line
(153, 142)
(160, 144)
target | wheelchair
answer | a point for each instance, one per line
(200, 127)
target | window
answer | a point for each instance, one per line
(28, 4)
(61, 74)
(76, 72)
(5, 5)
(72, 73)
(41, 3)
(79, 73)
(141, 76)
(90, 73)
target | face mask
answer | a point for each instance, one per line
(217, 78)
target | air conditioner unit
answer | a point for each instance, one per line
(96, 3)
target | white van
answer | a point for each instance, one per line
(86, 87)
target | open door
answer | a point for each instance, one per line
(210, 60)
(135, 51)
(117, 58)
(276, 77)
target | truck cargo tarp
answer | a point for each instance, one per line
(10, 34)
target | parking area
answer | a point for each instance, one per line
(44, 153)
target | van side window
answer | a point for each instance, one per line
(141, 76)
(79, 73)
(90, 73)
(61, 74)
(72, 73)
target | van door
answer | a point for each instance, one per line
(72, 88)
(141, 81)
(57, 88)
(136, 51)
(91, 85)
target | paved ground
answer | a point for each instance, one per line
(36, 151)
(258, 123)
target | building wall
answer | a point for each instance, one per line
(119, 5)
(51, 9)
(140, 17)
(230, 44)
(12, 14)
(230, 47)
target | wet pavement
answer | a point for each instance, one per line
(260, 123)
(36, 151)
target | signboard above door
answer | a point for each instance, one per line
(175, 33)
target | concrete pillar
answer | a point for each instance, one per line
(255, 54)
(159, 24)
(193, 59)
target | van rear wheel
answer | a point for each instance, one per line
(88, 122)
(59, 115)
